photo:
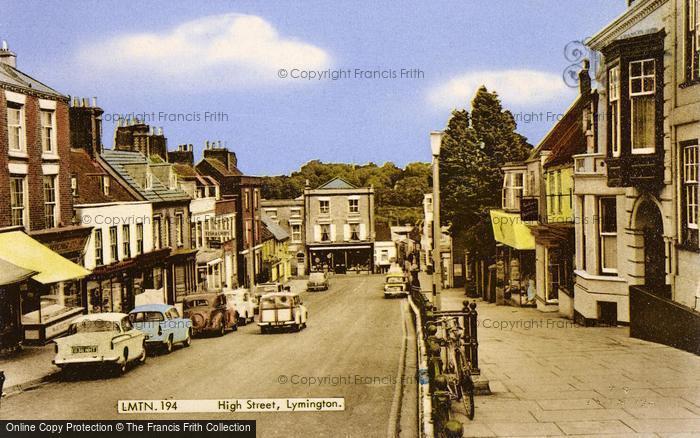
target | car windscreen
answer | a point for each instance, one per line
(394, 279)
(317, 277)
(93, 326)
(200, 302)
(275, 302)
(146, 317)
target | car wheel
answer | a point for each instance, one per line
(142, 358)
(264, 330)
(169, 344)
(234, 327)
(188, 340)
(121, 368)
(222, 329)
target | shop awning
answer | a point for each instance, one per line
(25, 252)
(510, 230)
(10, 273)
(205, 256)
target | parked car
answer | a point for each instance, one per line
(101, 339)
(395, 284)
(162, 325)
(317, 281)
(265, 288)
(243, 302)
(282, 309)
(209, 313)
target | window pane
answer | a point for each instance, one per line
(635, 68)
(643, 118)
(608, 215)
(609, 250)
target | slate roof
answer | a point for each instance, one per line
(160, 192)
(221, 167)
(337, 183)
(275, 229)
(11, 76)
(185, 170)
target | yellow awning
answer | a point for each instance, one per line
(25, 252)
(510, 230)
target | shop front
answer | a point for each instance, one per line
(53, 296)
(342, 259)
(13, 282)
(555, 267)
(210, 270)
(516, 272)
(181, 274)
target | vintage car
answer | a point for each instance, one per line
(162, 325)
(243, 302)
(395, 284)
(101, 339)
(266, 288)
(317, 281)
(282, 309)
(209, 313)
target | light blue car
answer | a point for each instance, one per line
(162, 325)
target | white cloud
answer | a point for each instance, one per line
(215, 51)
(515, 87)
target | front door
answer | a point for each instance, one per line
(654, 249)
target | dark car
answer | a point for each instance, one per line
(209, 313)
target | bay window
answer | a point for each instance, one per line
(607, 230)
(692, 40)
(690, 186)
(642, 90)
(614, 109)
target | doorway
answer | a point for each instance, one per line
(650, 223)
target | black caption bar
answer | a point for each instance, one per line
(120, 429)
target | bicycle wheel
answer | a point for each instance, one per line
(466, 384)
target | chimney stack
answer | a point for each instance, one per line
(85, 122)
(6, 56)
(584, 78)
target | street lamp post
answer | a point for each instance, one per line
(435, 144)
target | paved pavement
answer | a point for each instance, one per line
(353, 334)
(550, 377)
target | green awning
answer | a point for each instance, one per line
(23, 251)
(510, 230)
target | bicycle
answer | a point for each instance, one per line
(454, 364)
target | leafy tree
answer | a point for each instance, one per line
(474, 149)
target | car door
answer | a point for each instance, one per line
(134, 341)
(226, 309)
(172, 320)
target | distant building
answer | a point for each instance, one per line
(221, 164)
(384, 248)
(340, 227)
(289, 214)
(276, 257)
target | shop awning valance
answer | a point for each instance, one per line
(10, 273)
(510, 230)
(23, 251)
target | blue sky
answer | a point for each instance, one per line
(194, 60)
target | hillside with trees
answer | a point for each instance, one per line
(398, 192)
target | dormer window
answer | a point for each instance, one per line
(104, 185)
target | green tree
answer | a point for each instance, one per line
(474, 149)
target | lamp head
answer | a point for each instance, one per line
(436, 142)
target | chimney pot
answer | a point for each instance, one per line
(86, 102)
(94, 101)
(4, 45)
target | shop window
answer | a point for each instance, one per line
(607, 227)
(690, 193)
